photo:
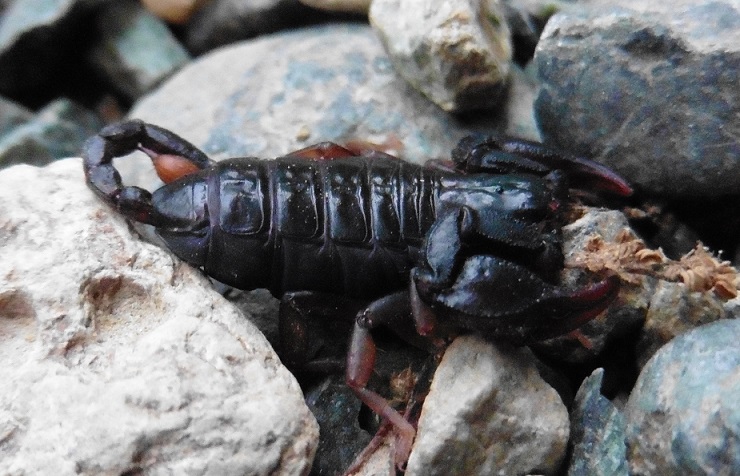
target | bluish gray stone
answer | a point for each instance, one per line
(327, 83)
(683, 416)
(136, 49)
(12, 115)
(57, 131)
(650, 89)
(597, 432)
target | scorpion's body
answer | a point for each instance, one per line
(353, 226)
(473, 245)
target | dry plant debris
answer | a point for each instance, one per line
(630, 258)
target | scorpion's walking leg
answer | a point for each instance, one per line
(299, 347)
(392, 311)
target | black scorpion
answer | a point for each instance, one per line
(468, 245)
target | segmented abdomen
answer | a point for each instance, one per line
(352, 225)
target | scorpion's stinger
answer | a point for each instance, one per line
(505, 155)
(173, 158)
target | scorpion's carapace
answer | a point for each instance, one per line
(469, 246)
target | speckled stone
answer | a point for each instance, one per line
(136, 50)
(56, 131)
(455, 52)
(648, 88)
(683, 416)
(597, 432)
(266, 105)
(489, 412)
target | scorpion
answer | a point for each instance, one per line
(470, 244)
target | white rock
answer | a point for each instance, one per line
(118, 358)
(489, 412)
(456, 52)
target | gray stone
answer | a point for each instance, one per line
(336, 409)
(55, 132)
(12, 115)
(136, 50)
(672, 311)
(305, 96)
(648, 88)
(628, 311)
(597, 432)
(683, 416)
(457, 53)
(489, 412)
(117, 358)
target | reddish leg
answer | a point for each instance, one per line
(302, 340)
(392, 311)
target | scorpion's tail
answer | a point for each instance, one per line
(173, 157)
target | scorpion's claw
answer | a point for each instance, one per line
(504, 300)
(503, 155)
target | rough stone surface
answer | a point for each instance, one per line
(119, 359)
(648, 88)
(628, 311)
(56, 131)
(597, 432)
(672, 311)
(489, 412)
(457, 53)
(683, 416)
(301, 97)
(12, 115)
(336, 409)
(136, 50)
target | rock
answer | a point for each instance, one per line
(660, 297)
(683, 416)
(489, 412)
(649, 89)
(136, 50)
(118, 359)
(628, 311)
(38, 39)
(456, 53)
(673, 310)
(306, 96)
(55, 132)
(336, 409)
(221, 22)
(597, 432)
(12, 115)
(518, 108)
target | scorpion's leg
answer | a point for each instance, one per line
(173, 157)
(392, 311)
(300, 346)
(506, 155)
